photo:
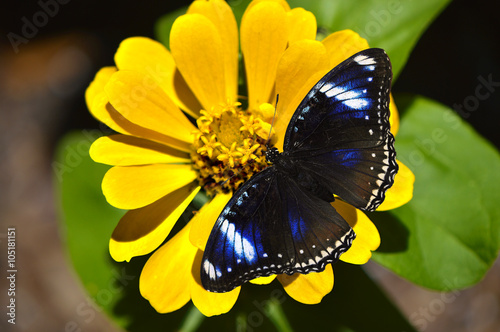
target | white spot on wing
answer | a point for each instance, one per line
(348, 95)
(209, 269)
(326, 87)
(364, 60)
(356, 103)
(335, 91)
(249, 250)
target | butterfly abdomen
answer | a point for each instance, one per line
(289, 167)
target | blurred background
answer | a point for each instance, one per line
(43, 75)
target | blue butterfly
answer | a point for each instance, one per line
(337, 143)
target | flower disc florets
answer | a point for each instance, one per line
(229, 147)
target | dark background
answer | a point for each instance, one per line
(42, 98)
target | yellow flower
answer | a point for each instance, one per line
(161, 160)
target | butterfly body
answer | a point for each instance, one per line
(291, 168)
(337, 142)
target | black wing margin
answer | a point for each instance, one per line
(272, 226)
(340, 133)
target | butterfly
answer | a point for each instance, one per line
(338, 145)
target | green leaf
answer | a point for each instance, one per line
(393, 25)
(448, 235)
(87, 222)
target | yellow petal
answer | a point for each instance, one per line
(401, 191)
(367, 236)
(301, 25)
(263, 280)
(394, 117)
(96, 97)
(208, 303)
(166, 279)
(139, 98)
(204, 220)
(151, 57)
(221, 15)
(282, 3)
(308, 288)
(133, 187)
(301, 66)
(264, 37)
(98, 104)
(123, 150)
(196, 46)
(120, 124)
(342, 44)
(141, 231)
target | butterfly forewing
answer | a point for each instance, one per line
(282, 229)
(341, 134)
(337, 142)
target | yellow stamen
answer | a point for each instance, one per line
(229, 147)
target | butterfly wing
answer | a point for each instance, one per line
(340, 134)
(272, 226)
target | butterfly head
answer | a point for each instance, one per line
(272, 155)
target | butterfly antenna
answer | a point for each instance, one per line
(272, 122)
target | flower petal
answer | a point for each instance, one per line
(98, 104)
(123, 150)
(264, 37)
(367, 236)
(166, 279)
(120, 124)
(308, 288)
(197, 48)
(141, 231)
(301, 25)
(204, 220)
(139, 98)
(282, 3)
(300, 67)
(342, 44)
(208, 303)
(394, 117)
(151, 57)
(401, 191)
(263, 280)
(221, 15)
(133, 187)
(96, 97)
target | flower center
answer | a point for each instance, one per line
(229, 147)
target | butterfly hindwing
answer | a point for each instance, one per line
(341, 133)
(272, 226)
(337, 142)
